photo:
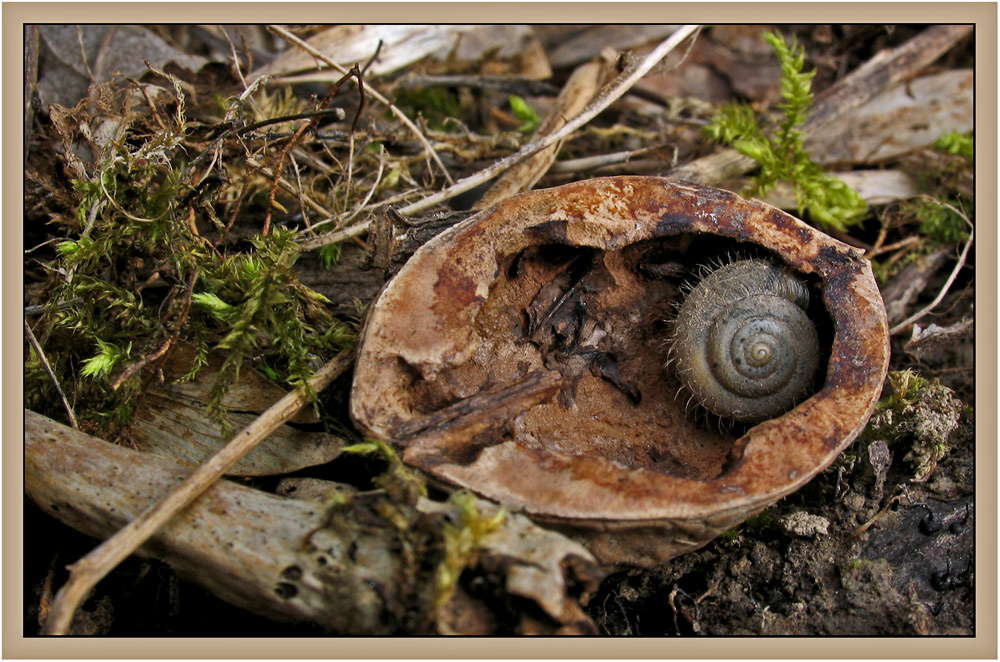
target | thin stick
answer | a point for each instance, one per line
(285, 34)
(951, 278)
(52, 375)
(888, 248)
(85, 573)
(620, 87)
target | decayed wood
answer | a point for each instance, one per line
(884, 71)
(899, 120)
(235, 541)
(184, 431)
(346, 568)
(174, 421)
(85, 573)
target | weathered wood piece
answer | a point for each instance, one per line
(899, 120)
(174, 421)
(396, 45)
(347, 568)
(237, 542)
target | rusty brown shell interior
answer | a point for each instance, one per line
(521, 355)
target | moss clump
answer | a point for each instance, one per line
(920, 414)
(134, 275)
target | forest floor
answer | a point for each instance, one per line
(164, 198)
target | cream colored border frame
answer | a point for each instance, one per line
(984, 645)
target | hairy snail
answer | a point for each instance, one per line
(743, 346)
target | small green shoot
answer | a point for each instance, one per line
(110, 356)
(527, 115)
(906, 386)
(329, 255)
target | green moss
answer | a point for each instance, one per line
(462, 541)
(906, 387)
(329, 255)
(828, 201)
(963, 144)
(135, 275)
(939, 223)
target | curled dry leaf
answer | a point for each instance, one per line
(521, 355)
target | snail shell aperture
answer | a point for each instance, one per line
(743, 345)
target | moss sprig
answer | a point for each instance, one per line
(827, 200)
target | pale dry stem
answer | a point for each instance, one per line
(52, 375)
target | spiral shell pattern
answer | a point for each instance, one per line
(743, 345)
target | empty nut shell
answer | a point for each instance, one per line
(520, 355)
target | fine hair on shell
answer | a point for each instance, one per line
(788, 298)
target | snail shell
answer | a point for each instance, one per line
(743, 345)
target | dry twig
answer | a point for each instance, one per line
(88, 571)
(52, 375)
(951, 278)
